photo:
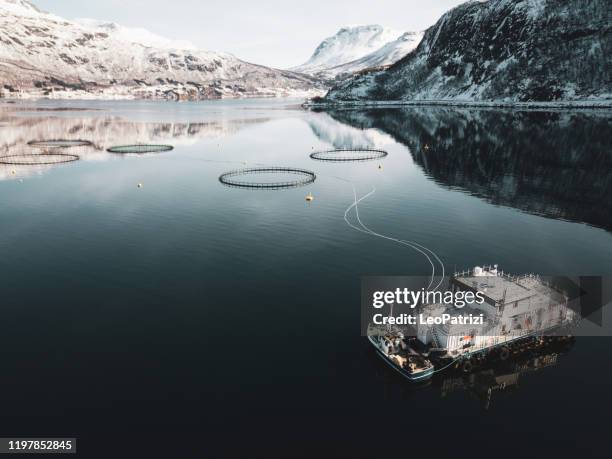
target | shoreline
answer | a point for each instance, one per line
(559, 105)
(136, 95)
(582, 104)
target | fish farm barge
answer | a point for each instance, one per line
(522, 314)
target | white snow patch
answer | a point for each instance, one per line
(535, 8)
(347, 45)
(135, 35)
(21, 7)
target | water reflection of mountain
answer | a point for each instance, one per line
(341, 135)
(555, 164)
(103, 132)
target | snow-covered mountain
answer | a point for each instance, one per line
(501, 51)
(135, 35)
(45, 55)
(383, 57)
(355, 48)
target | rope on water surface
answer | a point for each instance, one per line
(364, 229)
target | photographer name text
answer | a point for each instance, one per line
(410, 319)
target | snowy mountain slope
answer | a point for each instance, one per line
(501, 51)
(347, 45)
(135, 35)
(21, 7)
(44, 55)
(386, 55)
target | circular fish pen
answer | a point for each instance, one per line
(269, 178)
(59, 143)
(348, 154)
(139, 149)
(31, 159)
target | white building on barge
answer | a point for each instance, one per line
(514, 307)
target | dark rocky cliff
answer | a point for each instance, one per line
(502, 50)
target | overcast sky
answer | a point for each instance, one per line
(276, 33)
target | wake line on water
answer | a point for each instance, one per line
(413, 245)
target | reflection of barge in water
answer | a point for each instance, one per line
(518, 311)
(497, 377)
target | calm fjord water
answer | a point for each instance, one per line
(194, 317)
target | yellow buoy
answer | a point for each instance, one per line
(309, 197)
(380, 166)
(13, 172)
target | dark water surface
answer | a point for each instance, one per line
(189, 319)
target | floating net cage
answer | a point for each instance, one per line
(139, 149)
(31, 159)
(59, 143)
(245, 178)
(348, 154)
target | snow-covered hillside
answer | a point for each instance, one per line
(45, 55)
(501, 51)
(135, 35)
(355, 48)
(382, 57)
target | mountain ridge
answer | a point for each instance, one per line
(499, 51)
(135, 34)
(355, 48)
(44, 55)
(385, 56)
